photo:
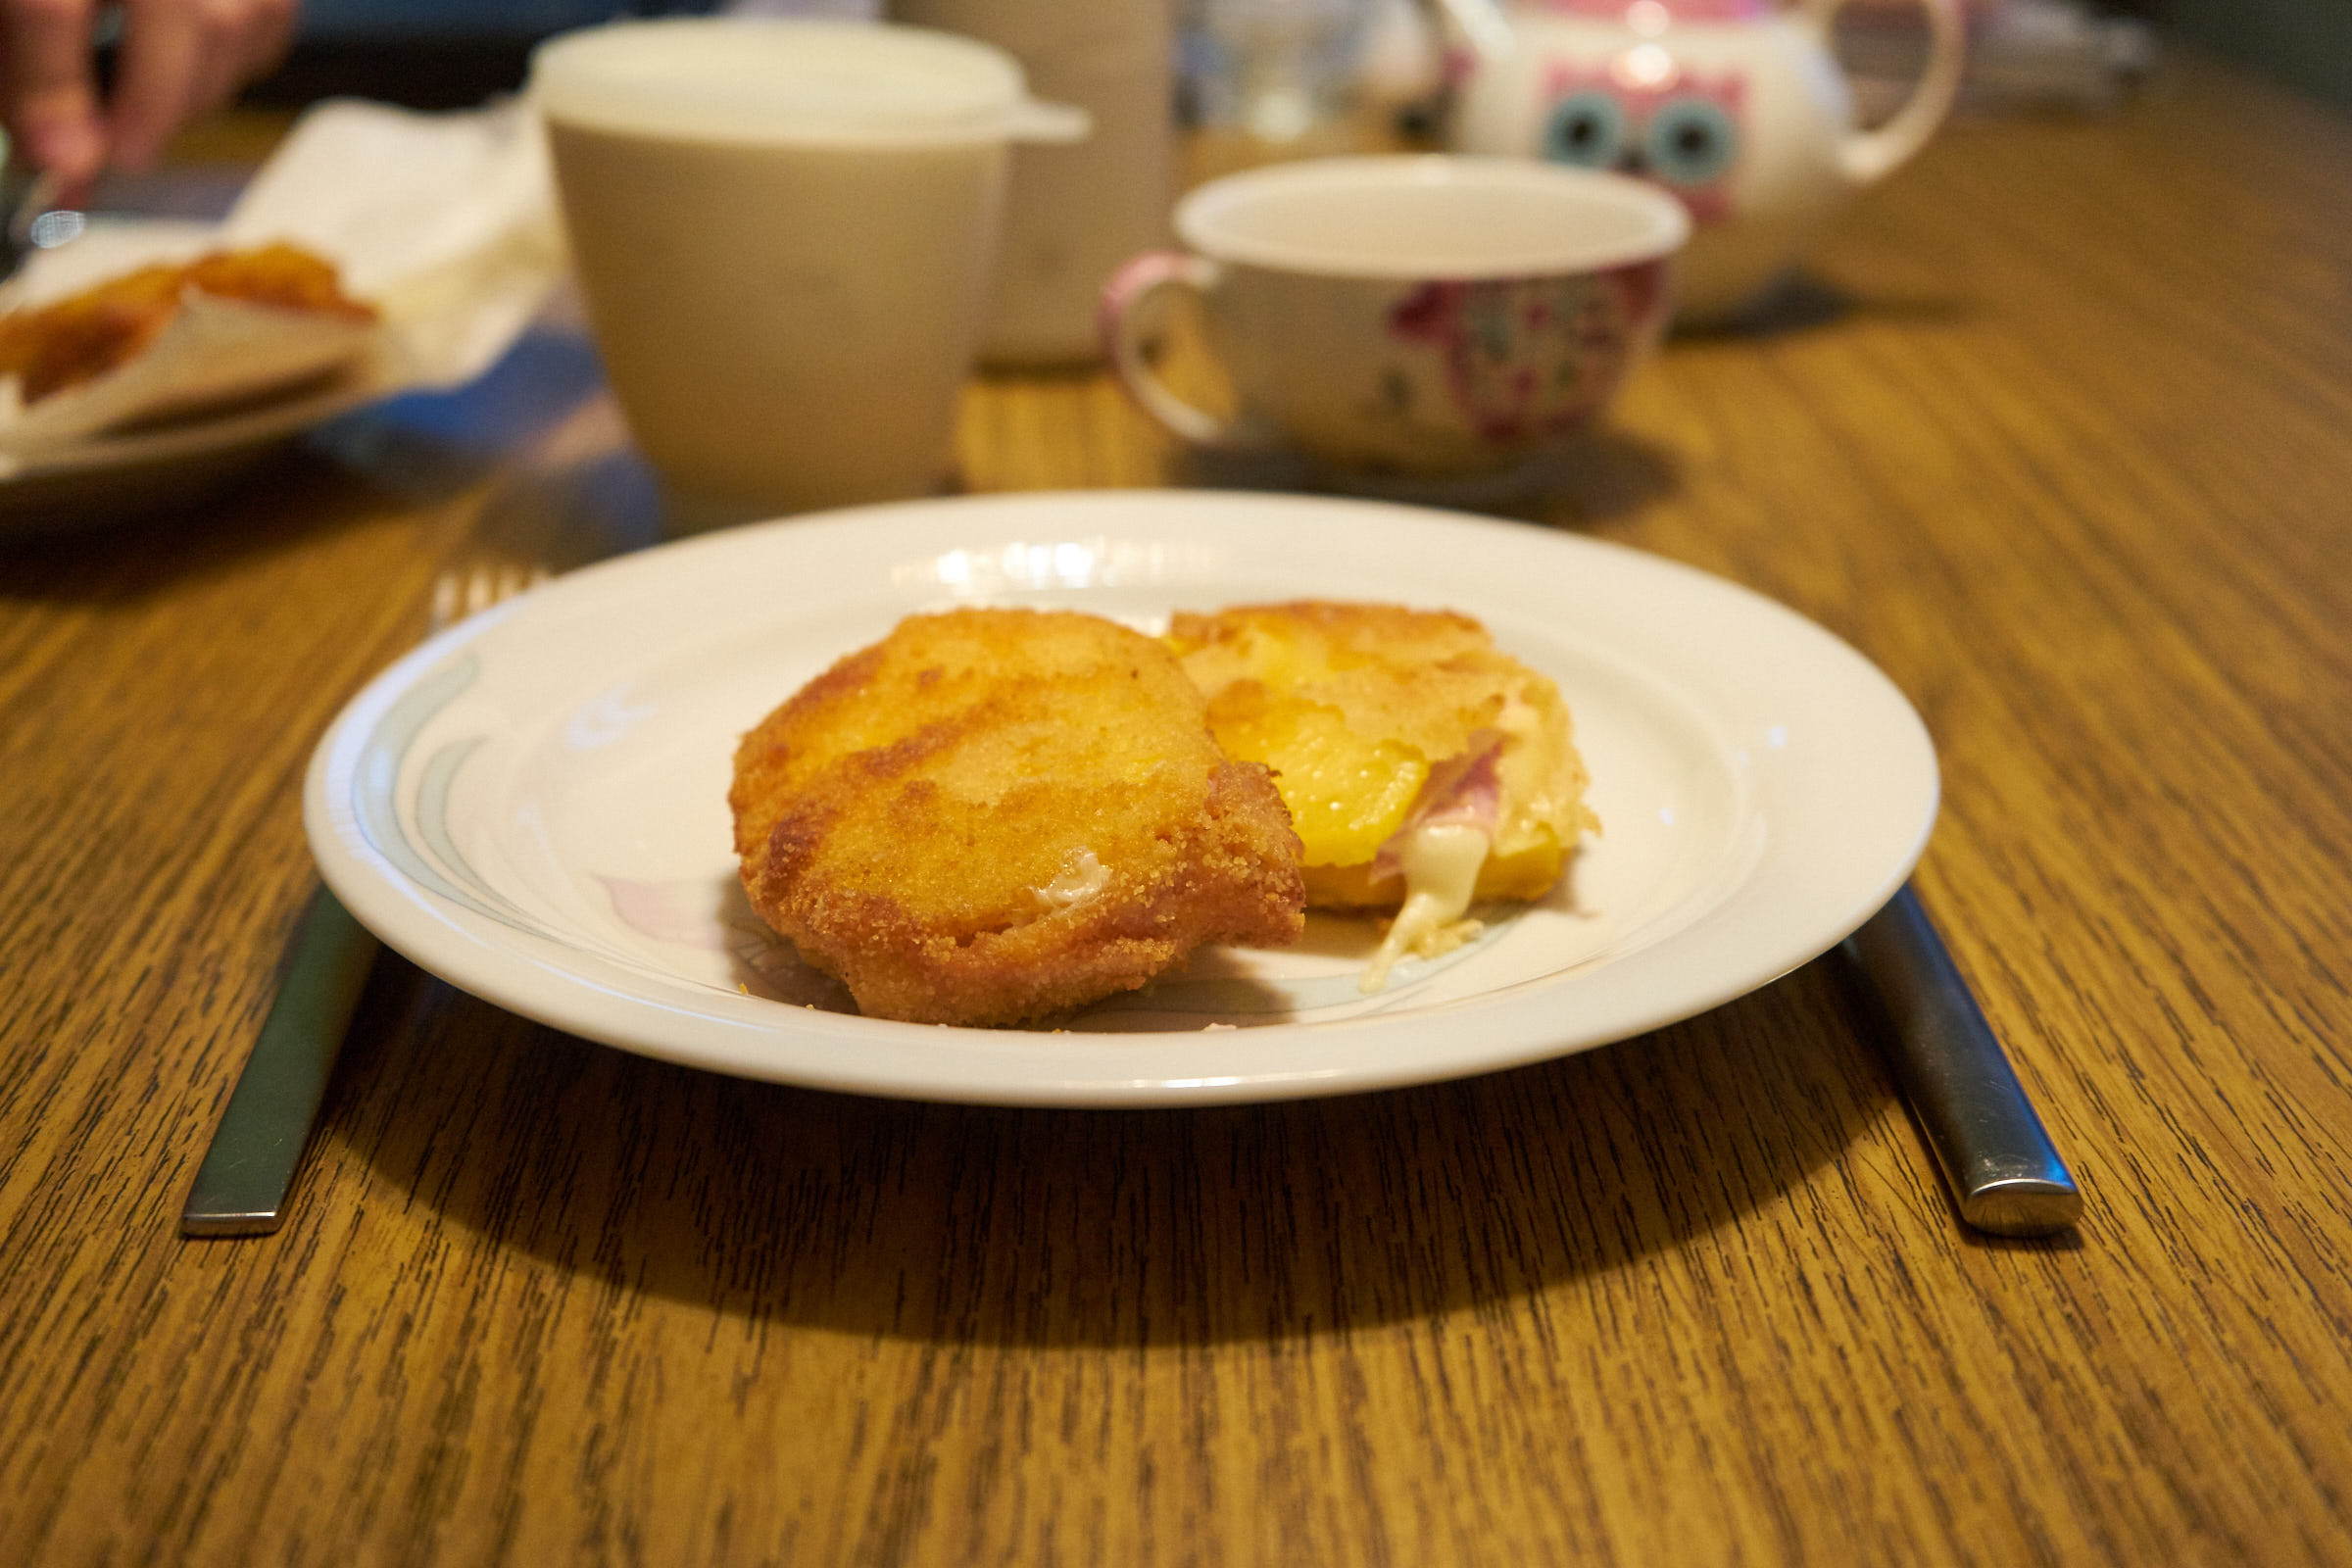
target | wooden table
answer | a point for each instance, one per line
(2066, 447)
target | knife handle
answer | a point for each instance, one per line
(2003, 1170)
(240, 1189)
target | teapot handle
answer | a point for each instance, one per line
(1869, 156)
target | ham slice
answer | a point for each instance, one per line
(1463, 791)
(1439, 851)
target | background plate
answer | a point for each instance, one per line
(107, 478)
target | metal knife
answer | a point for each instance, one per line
(240, 1189)
(2003, 1170)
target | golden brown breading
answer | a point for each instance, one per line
(996, 815)
(1359, 708)
(80, 337)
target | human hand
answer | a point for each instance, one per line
(177, 59)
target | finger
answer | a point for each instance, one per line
(250, 38)
(220, 66)
(161, 70)
(51, 89)
(269, 34)
(183, 58)
(242, 39)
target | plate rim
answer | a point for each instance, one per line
(718, 1039)
(266, 419)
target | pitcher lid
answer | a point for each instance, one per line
(772, 79)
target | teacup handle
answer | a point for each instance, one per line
(1869, 156)
(1133, 284)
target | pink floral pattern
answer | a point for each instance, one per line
(1526, 359)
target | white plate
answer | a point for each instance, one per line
(533, 804)
(112, 476)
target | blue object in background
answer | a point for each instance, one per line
(457, 54)
(505, 18)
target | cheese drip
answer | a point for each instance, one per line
(1082, 877)
(1441, 861)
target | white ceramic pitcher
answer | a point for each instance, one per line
(1735, 106)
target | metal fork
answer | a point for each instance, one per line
(35, 221)
(241, 1188)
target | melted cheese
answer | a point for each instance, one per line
(1440, 864)
(1082, 877)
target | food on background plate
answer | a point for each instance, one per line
(65, 342)
(993, 816)
(174, 339)
(1423, 768)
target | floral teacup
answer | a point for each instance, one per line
(1421, 318)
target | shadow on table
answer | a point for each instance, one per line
(960, 1224)
(1604, 474)
(1806, 302)
(271, 508)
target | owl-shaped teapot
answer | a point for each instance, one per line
(1735, 106)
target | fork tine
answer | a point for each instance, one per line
(457, 594)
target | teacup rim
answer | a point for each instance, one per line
(1669, 222)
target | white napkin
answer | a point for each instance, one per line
(445, 222)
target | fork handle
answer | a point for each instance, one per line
(240, 1189)
(2003, 1170)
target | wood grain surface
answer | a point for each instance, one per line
(2059, 432)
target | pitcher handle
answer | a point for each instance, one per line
(1135, 281)
(1869, 156)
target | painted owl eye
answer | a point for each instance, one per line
(1689, 141)
(1587, 128)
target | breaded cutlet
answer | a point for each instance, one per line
(993, 816)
